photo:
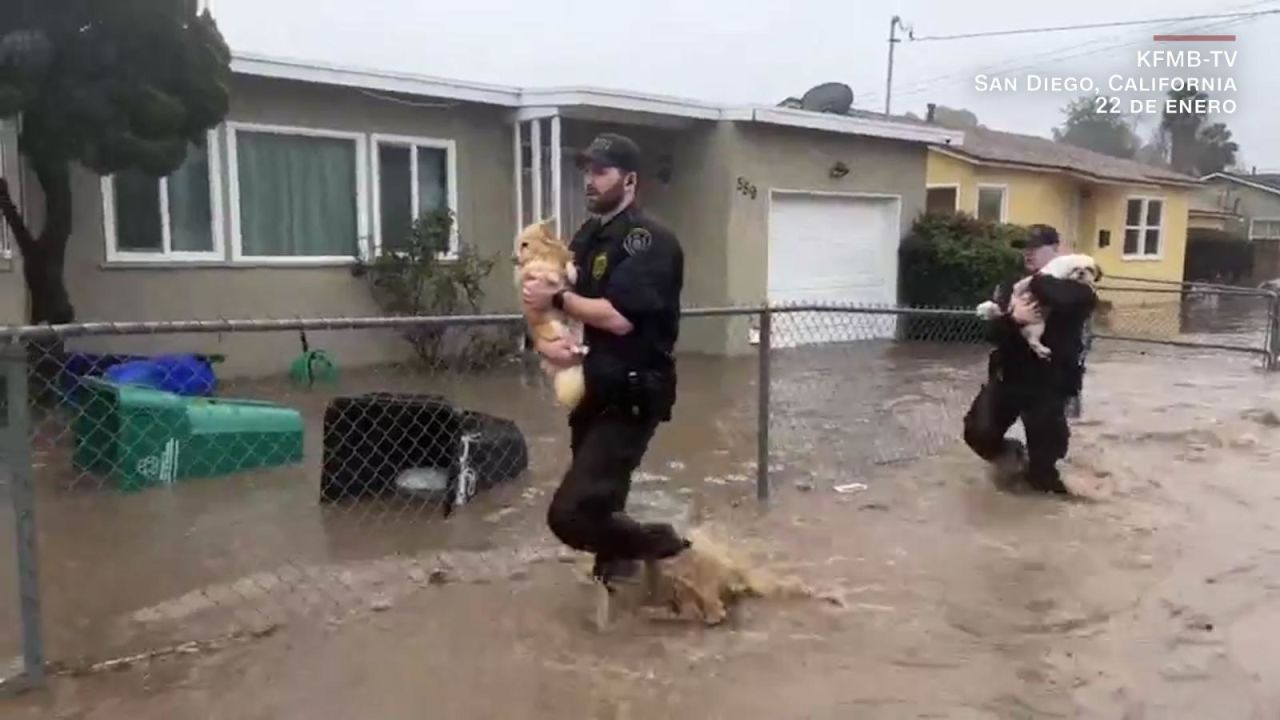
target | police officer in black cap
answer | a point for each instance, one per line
(630, 274)
(1020, 384)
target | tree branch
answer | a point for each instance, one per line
(9, 209)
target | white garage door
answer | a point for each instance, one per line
(833, 249)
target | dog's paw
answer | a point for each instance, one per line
(988, 310)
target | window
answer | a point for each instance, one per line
(412, 177)
(296, 194)
(941, 200)
(1142, 222)
(171, 218)
(1264, 229)
(991, 202)
(1104, 239)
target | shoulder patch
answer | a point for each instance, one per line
(637, 241)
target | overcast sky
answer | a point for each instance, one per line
(760, 51)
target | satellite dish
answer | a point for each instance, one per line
(832, 97)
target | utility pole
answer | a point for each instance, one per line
(894, 24)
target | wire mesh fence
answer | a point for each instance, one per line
(306, 470)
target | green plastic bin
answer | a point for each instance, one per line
(142, 437)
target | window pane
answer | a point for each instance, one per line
(1133, 217)
(1266, 229)
(190, 210)
(1152, 246)
(394, 195)
(1153, 212)
(1130, 242)
(297, 195)
(990, 202)
(940, 201)
(433, 180)
(138, 226)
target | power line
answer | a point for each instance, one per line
(1090, 26)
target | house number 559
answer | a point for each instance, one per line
(746, 188)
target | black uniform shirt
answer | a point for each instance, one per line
(638, 266)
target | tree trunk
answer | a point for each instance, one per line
(43, 259)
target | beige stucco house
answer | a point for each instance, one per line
(1247, 205)
(316, 165)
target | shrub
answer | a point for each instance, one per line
(954, 261)
(415, 280)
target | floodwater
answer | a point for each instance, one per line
(940, 596)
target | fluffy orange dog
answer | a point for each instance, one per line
(540, 255)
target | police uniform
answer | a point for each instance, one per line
(1021, 385)
(638, 266)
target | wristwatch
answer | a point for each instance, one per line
(557, 300)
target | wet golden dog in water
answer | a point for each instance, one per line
(541, 255)
(704, 582)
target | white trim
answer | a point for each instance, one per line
(557, 167)
(362, 195)
(313, 72)
(846, 124)
(413, 143)
(1004, 200)
(1142, 227)
(1253, 221)
(517, 162)
(1242, 181)
(535, 160)
(943, 186)
(166, 254)
(619, 100)
(15, 189)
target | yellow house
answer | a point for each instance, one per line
(1131, 217)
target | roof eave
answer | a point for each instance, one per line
(959, 154)
(1242, 181)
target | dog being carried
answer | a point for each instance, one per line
(1077, 268)
(542, 256)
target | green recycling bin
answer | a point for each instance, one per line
(142, 437)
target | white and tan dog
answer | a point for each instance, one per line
(541, 255)
(1078, 268)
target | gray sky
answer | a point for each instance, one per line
(757, 51)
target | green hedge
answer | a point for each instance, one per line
(954, 261)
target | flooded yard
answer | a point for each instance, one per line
(940, 595)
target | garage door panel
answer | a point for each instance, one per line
(839, 249)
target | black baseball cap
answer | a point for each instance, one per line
(1039, 236)
(611, 150)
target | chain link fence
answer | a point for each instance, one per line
(157, 499)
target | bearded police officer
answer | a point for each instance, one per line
(627, 296)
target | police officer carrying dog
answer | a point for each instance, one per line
(627, 296)
(1020, 384)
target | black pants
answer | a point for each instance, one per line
(586, 512)
(1043, 411)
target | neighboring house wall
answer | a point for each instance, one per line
(104, 290)
(1111, 204)
(776, 159)
(1227, 196)
(1029, 197)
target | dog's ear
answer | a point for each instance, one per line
(549, 225)
(1097, 273)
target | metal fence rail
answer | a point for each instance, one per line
(300, 485)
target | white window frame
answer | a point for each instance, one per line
(1004, 200)
(1142, 227)
(413, 143)
(6, 236)
(1254, 221)
(360, 140)
(944, 186)
(166, 253)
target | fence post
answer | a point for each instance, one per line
(762, 406)
(1273, 334)
(22, 490)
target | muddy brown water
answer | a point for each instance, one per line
(945, 597)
